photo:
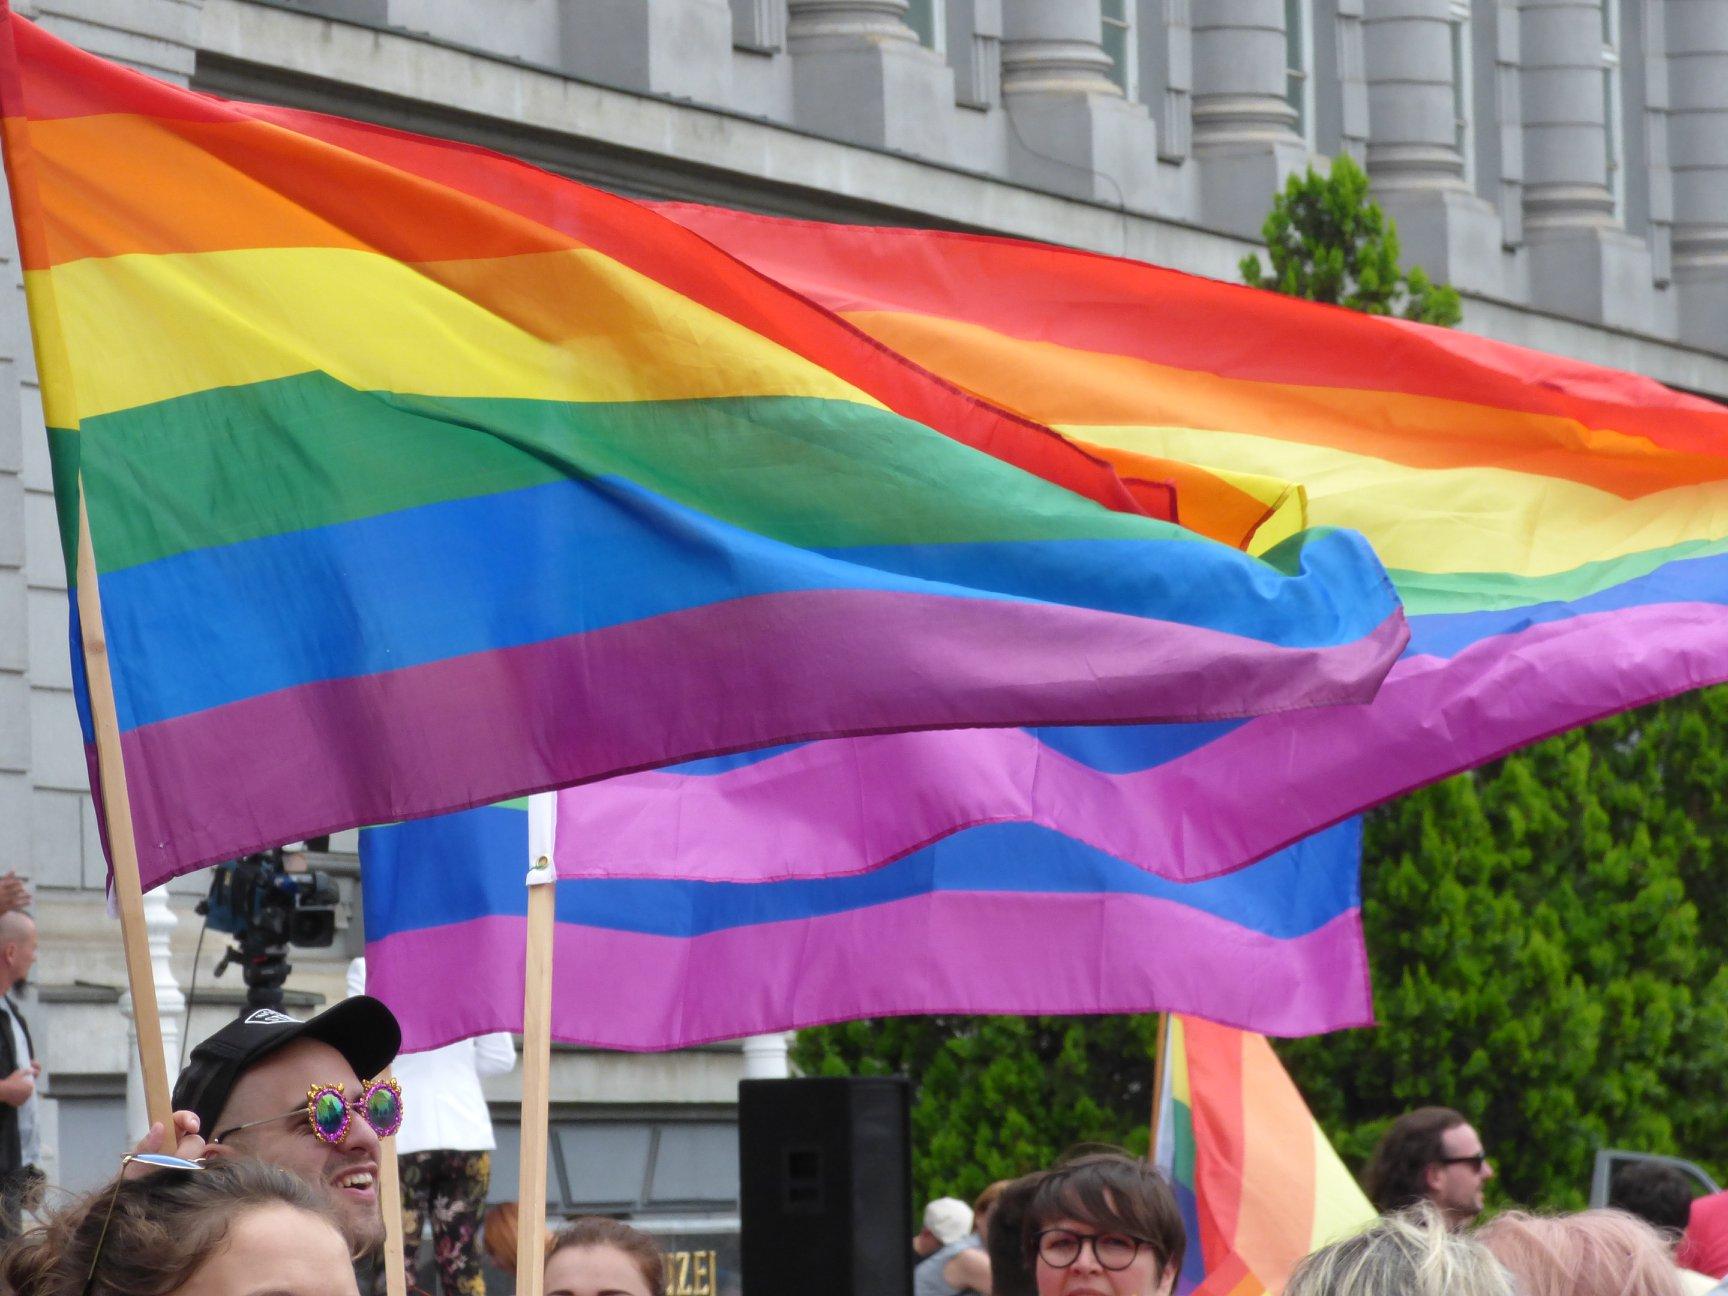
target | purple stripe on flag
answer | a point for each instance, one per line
(954, 952)
(630, 697)
(841, 807)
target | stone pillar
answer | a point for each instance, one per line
(1245, 136)
(1413, 158)
(18, 851)
(1070, 128)
(859, 74)
(670, 47)
(765, 1056)
(1698, 153)
(160, 921)
(1581, 262)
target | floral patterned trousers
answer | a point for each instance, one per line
(450, 1188)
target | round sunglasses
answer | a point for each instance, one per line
(330, 1114)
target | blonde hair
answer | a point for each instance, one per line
(1408, 1254)
(1592, 1253)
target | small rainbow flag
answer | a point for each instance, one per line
(1258, 1184)
(419, 478)
(1006, 918)
(1558, 532)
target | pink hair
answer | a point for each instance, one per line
(1592, 1253)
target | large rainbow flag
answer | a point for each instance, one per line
(1557, 532)
(1258, 1184)
(418, 478)
(1006, 918)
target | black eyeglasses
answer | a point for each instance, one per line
(1475, 1162)
(162, 1161)
(1059, 1248)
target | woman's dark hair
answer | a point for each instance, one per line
(1005, 1243)
(597, 1230)
(164, 1226)
(1394, 1178)
(1114, 1193)
(1657, 1192)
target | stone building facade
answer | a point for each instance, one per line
(1563, 162)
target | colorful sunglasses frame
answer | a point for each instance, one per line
(330, 1114)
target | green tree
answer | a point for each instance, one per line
(1539, 959)
(1329, 242)
(998, 1096)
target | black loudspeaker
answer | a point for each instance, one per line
(825, 1174)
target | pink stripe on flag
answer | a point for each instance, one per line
(954, 952)
(219, 783)
(850, 805)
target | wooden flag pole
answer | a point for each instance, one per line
(390, 1202)
(536, 1051)
(1159, 1050)
(122, 844)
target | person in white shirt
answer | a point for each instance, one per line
(444, 1149)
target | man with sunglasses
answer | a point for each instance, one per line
(1431, 1154)
(303, 1095)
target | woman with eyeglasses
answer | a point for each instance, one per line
(235, 1228)
(1104, 1225)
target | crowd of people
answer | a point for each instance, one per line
(1104, 1224)
(266, 1185)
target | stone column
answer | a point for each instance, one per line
(1581, 262)
(859, 74)
(670, 47)
(18, 852)
(1245, 136)
(1413, 156)
(160, 921)
(1070, 129)
(1698, 154)
(765, 1056)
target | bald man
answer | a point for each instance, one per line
(20, 1129)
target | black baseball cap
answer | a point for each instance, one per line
(360, 1028)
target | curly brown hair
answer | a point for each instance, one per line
(163, 1226)
(1394, 1178)
(598, 1230)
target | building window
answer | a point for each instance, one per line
(1463, 134)
(1613, 107)
(925, 17)
(1118, 37)
(1299, 65)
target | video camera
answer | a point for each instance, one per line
(259, 895)
(267, 908)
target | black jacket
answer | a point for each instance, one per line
(11, 1150)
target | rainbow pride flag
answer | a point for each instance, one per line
(419, 478)
(1557, 531)
(1006, 918)
(1258, 1184)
